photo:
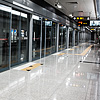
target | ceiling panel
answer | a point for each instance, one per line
(87, 6)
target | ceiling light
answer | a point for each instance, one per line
(14, 12)
(35, 17)
(24, 15)
(20, 5)
(5, 8)
(59, 6)
(70, 15)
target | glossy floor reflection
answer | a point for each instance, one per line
(61, 77)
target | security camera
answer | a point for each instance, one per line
(56, 3)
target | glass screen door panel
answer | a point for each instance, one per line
(64, 37)
(54, 35)
(36, 39)
(76, 38)
(19, 38)
(15, 39)
(48, 36)
(70, 37)
(5, 18)
(24, 38)
(43, 38)
(60, 37)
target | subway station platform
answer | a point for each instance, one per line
(72, 74)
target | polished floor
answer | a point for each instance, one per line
(73, 74)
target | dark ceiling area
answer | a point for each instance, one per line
(49, 7)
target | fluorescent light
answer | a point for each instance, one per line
(64, 27)
(18, 4)
(24, 15)
(70, 15)
(5, 8)
(59, 6)
(16, 12)
(35, 17)
(55, 19)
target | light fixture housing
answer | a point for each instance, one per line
(58, 5)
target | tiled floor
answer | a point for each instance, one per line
(61, 77)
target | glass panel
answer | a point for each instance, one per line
(36, 38)
(76, 38)
(48, 36)
(19, 38)
(70, 37)
(15, 39)
(4, 39)
(43, 37)
(24, 38)
(64, 37)
(54, 34)
(60, 37)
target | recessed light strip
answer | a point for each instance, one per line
(18, 4)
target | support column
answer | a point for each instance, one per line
(67, 37)
(57, 37)
(30, 38)
(73, 38)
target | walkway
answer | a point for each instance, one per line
(72, 74)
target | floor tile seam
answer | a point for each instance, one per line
(63, 80)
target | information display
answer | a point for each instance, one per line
(95, 23)
(48, 23)
(84, 23)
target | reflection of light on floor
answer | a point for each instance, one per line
(60, 59)
(77, 74)
(78, 66)
(68, 81)
(54, 99)
(75, 85)
(33, 75)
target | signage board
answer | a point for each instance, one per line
(95, 23)
(84, 23)
(48, 23)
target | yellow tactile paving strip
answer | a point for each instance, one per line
(77, 47)
(32, 67)
(61, 54)
(86, 50)
(82, 54)
(71, 49)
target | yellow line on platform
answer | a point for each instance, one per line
(82, 54)
(32, 67)
(77, 46)
(61, 54)
(71, 49)
(86, 50)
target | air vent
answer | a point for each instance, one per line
(72, 2)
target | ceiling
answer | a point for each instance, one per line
(78, 8)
